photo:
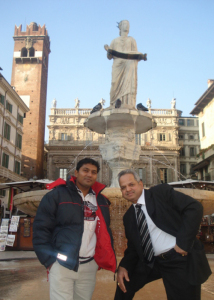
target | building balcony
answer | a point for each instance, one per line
(165, 112)
(7, 175)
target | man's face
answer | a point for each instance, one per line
(130, 188)
(86, 176)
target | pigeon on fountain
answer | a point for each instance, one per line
(118, 103)
(141, 107)
(96, 108)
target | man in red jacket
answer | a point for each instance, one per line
(71, 234)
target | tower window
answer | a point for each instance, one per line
(31, 52)
(24, 52)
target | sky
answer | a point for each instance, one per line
(177, 35)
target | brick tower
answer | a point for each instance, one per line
(29, 78)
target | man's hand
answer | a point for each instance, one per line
(179, 250)
(121, 275)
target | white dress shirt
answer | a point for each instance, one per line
(161, 241)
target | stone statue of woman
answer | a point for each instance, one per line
(124, 70)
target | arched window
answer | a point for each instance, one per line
(31, 52)
(24, 52)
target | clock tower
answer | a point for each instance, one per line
(29, 79)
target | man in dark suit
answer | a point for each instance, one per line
(161, 228)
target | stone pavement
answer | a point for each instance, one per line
(23, 277)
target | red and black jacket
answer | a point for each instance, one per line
(59, 224)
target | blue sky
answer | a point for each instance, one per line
(177, 35)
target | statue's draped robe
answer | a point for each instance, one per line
(124, 71)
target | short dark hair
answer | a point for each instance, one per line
(86, 161)
(129, 171)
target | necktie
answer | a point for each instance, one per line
(146, 242)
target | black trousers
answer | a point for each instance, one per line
(173, 271)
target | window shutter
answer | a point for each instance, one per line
(5, 129)
(2, 99)
(9, 132)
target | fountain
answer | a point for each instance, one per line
(119, 122)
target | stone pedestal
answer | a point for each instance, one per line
(120, 126)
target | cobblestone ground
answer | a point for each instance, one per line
(27, 279)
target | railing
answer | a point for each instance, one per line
(161, 111)
(165, 112)
(75, 142)
(71, 111)
(86, 111)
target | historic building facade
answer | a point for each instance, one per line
(29, 79)
(190, 146)
(204, 109)
(12, 113)
(70, 141)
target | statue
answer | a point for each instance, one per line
(77, 103)
(102, 102)
(124, 70)
(173, 103)
(54, 102)
(149, 103)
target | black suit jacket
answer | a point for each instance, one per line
(177, 214)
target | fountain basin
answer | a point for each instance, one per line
(103, 120)
(28, 203)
